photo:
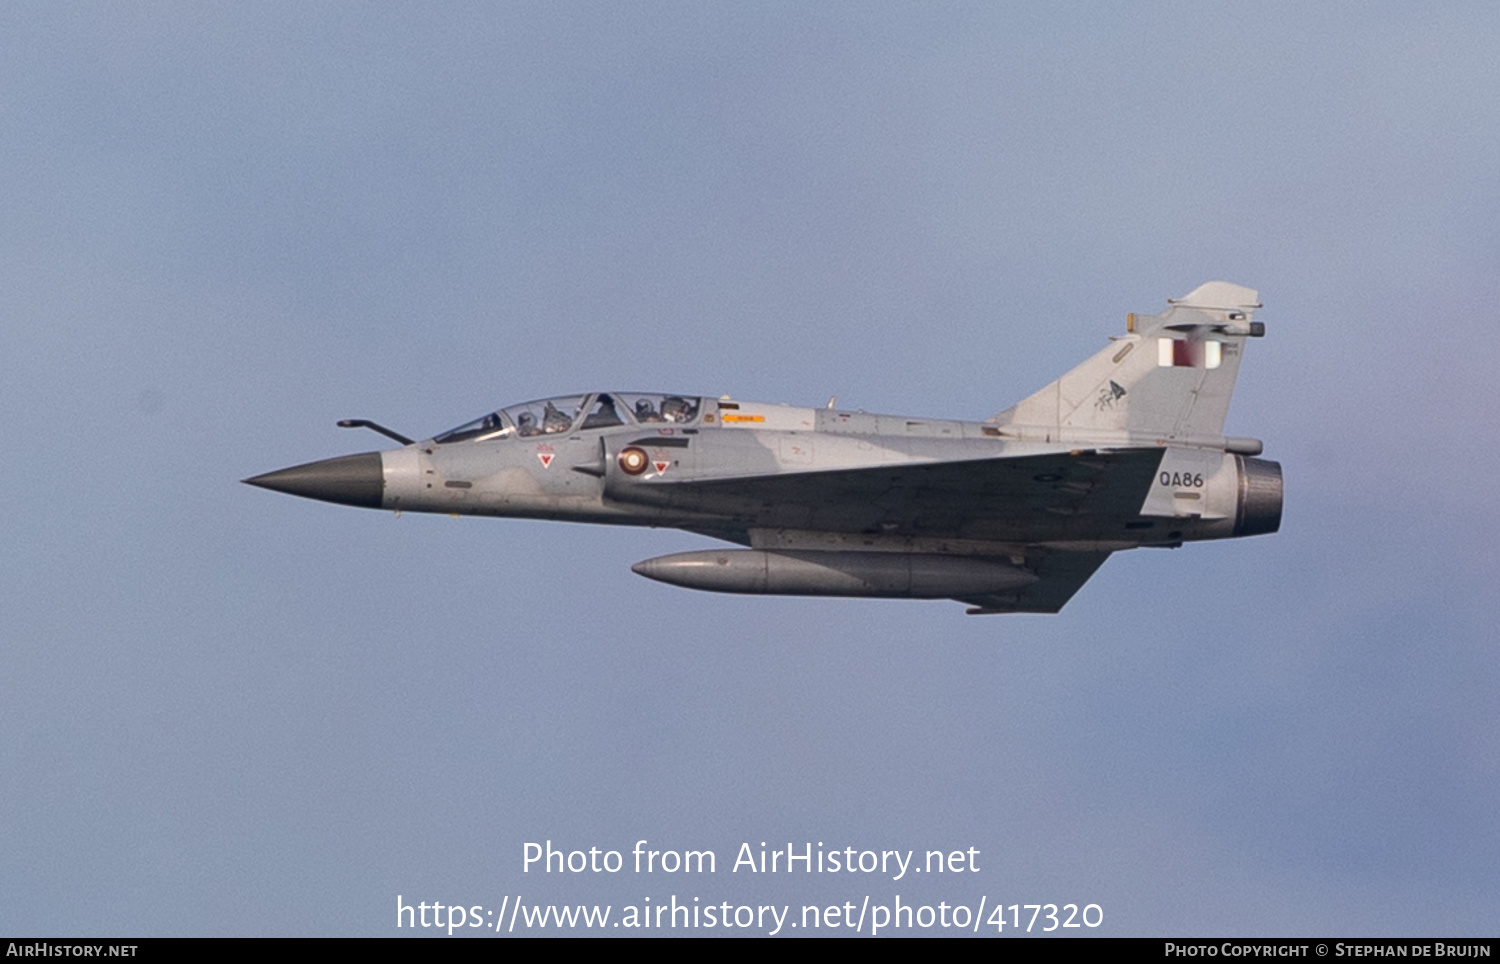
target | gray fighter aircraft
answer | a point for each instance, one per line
(1010, 514)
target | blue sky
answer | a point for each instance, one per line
(224, 711)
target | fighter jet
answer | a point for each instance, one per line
(1010, 514)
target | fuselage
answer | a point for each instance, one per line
(612, 458)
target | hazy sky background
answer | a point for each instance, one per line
(223, 227)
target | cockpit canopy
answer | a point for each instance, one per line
(552, 416)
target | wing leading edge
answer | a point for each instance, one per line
(1060, 575)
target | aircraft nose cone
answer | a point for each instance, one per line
(347, 480)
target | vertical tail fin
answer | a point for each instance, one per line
(1170, 378)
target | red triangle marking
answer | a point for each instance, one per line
(661, 467)
(546, 458)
